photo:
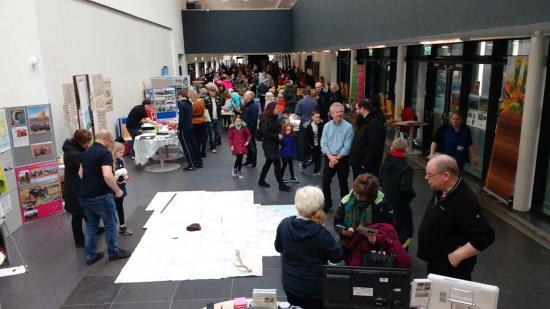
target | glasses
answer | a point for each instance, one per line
(428, 175)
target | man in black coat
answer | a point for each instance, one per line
(367, 147)
(453, 231)
(250, 117)
(323, 101)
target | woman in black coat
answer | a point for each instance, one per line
(72, 158)
(271, 130)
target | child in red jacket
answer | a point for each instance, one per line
(239, 138)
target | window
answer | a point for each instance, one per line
(484, 48)
(519, 47)
(450, 49)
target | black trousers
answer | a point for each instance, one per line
(78, 232)
(316, 155)
(189, 146)
(251, 157)
(304, 303)
(201, 136)
(238, 162)
(463, 271)
(276, 167)
(404, 218)
(342, 170)
(119, 202)
(288, 161)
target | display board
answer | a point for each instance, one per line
(33, 167)
(357, 91)
(504, 158)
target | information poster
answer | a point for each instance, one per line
(70, 110)
(357, 91)
(83, 99)
(39, 119)
(107, 86)
(504, 158)
(39, 190)
(4, 133)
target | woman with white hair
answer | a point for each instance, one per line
(306, 246)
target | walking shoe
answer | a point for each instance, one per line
(124, 230)
(285, 180)
(96, 258)
(302, 167)
(263, 184)
(284, 188)
(121, 254)
(294, 180)
(240, 174)
(214, 150)
(317, 174)
(234, 172)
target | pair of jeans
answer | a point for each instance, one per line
(133, 134)
(99, 208)
(288, 161)
(342, 169)
(214, 134)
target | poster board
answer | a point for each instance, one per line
(501, 173)
(33, 151)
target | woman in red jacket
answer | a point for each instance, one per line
(239, 138)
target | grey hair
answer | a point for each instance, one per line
(211, 87)
(446, 163)
(269, 97)
(336, 105)
(309, 200)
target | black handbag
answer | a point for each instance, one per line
(378, 259)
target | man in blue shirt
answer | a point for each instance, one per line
(336, 144)
(455, 140)
(96, 198)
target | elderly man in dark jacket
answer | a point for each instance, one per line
(367, 147)
(453, 231)
(250, 117)
(213, 102)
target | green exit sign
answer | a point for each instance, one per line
(427, 50)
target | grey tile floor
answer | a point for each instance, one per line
(58, 277)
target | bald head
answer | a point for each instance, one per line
(445, 163)
(248, 95)
(104, 137)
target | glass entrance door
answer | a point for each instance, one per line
(447, 94)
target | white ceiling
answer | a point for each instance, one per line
(246, 4)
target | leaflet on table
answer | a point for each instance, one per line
(39, 190)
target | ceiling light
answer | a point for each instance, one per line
(449, 41)
(376, 46)
(326, 51)
(344, 49)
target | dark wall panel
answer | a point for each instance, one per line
(261, 31)
(319, 24)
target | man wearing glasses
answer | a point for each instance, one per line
(97, 188)
(453, 231)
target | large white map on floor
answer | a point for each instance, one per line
(230, 222)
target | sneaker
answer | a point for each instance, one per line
(124, 230)
(240, 175)
(294, 180)
(214, 150)
(285, 180)
(317, 174)
(121, 254)
(302, 167)
(96, 258)
(234, 172)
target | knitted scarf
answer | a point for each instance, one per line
(357, 212)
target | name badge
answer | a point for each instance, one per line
(460, 148)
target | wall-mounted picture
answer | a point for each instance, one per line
(20, 136)
(42, 150)
(18, 117)
(39, 119)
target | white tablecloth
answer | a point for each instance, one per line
(146, 148)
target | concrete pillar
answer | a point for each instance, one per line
(530, 123)
(400, 82)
